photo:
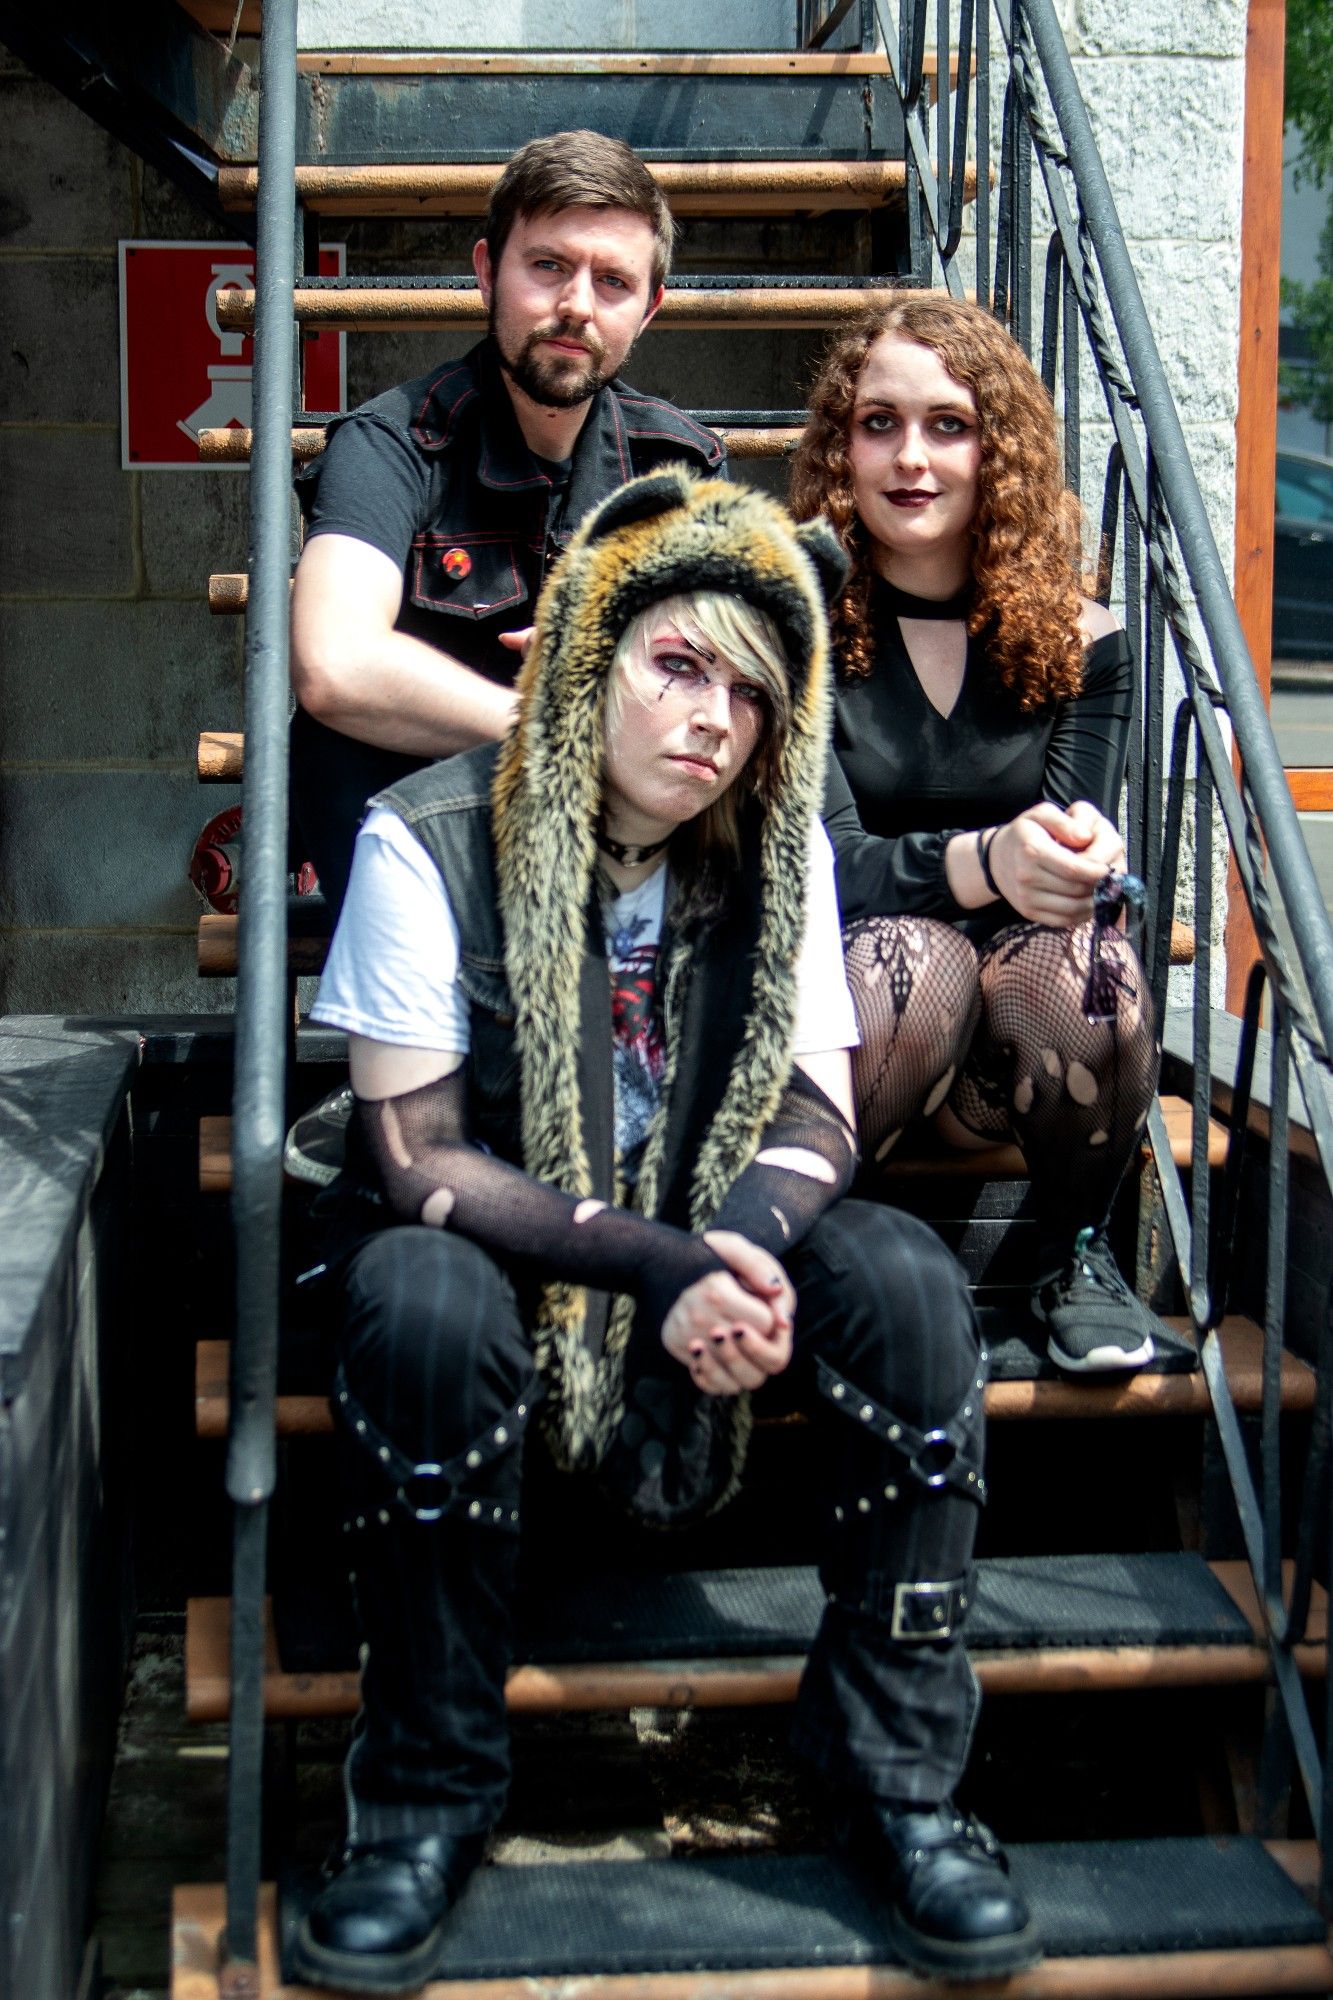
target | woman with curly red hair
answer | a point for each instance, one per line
(982, 725)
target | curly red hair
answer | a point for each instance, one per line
(1026, 532)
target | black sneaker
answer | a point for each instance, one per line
(1096, 1323)
(317, 1143)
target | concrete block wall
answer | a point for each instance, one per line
(109, 660)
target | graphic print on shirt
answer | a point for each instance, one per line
(638, 1048)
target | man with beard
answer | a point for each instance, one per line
(436, 510)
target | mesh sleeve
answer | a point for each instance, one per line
(775, 1204)
(431, 1173)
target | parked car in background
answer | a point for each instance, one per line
(1303, 558)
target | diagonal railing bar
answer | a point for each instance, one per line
(1289, 858)
(260, 1083)
(1169, 569)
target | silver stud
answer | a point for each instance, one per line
(838, 1514)
(967, 1409)
(501, 1434)
(866, 1412)
(384, 1517)
(863, 1506)
(474, 1511)
(474, 1459)
(347, 1527)
(522, 1409)
(971, 1478)
(938, 1614)
(890, 1493)
(833, 1597)
(360, 1426)
(513, 1513)
(342, 1395)
(360, 1520)
(895, 1432)
(384, 1453)
(838, 1392)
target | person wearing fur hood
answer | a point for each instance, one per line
(599, 1037)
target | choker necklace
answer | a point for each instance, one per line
(627, 856)
(903, 605)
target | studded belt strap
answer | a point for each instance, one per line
(429, 1490)
(936, 1458)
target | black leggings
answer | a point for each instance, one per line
(1010, 1038)
(437, 1374)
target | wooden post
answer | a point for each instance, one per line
(1256, 413)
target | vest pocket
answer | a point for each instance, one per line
(467, 575)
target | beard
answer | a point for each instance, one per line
(557, 381)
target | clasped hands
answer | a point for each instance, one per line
(733, 1329)
(1048, 860)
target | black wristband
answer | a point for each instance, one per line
(985, 836)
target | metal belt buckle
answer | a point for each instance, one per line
(941, 1595)
(432, 1478)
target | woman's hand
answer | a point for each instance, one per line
(1047, 861)
(733, 1329)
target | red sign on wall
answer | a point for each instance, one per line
(180, 372)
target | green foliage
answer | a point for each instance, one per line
(1309, 85)
(1311, 386)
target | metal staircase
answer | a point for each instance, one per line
(960, 159)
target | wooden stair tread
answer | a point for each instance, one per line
(398, 307)
(692, 187)
(1145, 1395)
(994, 1163)
(1134, 1873)
(233, 446)
(631, 1674)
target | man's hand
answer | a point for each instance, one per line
(519, 642)
(1047, 861)
(733, 1328)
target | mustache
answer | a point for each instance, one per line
(559, 329)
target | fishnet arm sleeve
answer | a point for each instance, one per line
(431, 1173)
(806, 1161)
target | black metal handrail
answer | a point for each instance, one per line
(1154, 526)
(259, 1098)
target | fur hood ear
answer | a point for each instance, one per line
(658, 537)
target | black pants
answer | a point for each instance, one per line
(435, 1391)
(332, 777)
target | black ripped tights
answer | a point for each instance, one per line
(1003, 1035)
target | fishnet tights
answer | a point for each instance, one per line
(1004, 1035)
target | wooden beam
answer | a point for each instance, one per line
(1311, 789)
(1256, 412)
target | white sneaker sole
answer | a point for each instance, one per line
(1102, 1360)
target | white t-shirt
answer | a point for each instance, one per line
(392, 969)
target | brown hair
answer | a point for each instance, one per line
(1026, 551)
(579, 170)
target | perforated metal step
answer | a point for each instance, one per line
(1162, 1917)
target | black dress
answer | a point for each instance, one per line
(904, 778)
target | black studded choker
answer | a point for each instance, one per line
(627, 856)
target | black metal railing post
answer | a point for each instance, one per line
(259, 1100)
